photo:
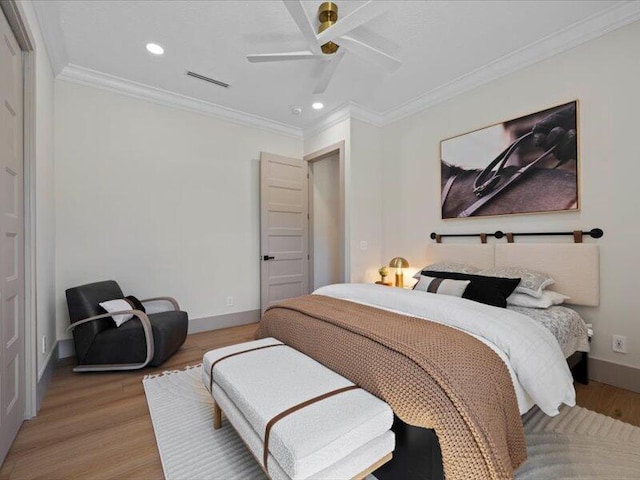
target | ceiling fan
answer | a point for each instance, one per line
(332, 40)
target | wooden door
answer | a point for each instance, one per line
(12, 389)
(284, 229)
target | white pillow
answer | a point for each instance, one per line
(448, 267)
(546, 300)
(532, 282)
(118, 306)
(442, 286)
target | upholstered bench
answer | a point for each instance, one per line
(299, 419)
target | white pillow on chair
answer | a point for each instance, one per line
(118, 306)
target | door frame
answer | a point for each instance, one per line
(321, 154)
(17, 18)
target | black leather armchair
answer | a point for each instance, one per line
(146, 339)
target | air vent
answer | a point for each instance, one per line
(207, 79)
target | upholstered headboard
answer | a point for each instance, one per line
(479, 256)
(574, 266)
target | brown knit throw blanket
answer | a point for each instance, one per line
(432, 376)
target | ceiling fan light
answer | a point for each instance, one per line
(317, 105)
(155, 48)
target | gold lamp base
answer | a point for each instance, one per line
(399, 263)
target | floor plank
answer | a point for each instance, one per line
(97, 425)
(611, 401)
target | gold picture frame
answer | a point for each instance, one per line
(541, 173)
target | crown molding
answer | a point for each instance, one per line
(327, 121)
(617, 16)
(85, 76)
(48, 20)
(345, 111)
(365, 114)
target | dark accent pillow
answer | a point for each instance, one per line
(135, 303)
(489, 290)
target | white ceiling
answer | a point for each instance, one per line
(438, 42)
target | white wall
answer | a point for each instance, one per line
(161, 200)
(43, 171)
(603, 75)
(367, 196)
(339, 132)
(326, 221)
(45, 208)
(363, 193)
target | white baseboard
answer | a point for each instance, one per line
(45, 375)
(621, 376)
(196, 325)
(217, 322)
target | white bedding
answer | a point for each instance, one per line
(533, 356)
(564, 323)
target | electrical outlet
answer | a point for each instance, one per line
(44, 344)
(619, 344)
(364, 245)
(229, 301)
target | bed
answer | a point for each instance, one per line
(532, 345)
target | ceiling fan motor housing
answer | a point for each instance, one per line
(328, 15)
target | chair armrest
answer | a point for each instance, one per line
(171, 300)
(144, 320)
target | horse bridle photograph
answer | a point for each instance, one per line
(487, 184)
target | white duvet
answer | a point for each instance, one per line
(532, 354)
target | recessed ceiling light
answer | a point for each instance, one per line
(296, 110)
(317, 105)
(155, 48)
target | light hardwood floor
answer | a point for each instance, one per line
(97, 425)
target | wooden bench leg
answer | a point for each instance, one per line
(217, 416)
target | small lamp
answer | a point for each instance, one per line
(399, 263)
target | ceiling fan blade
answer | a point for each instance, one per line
(299, 15)
(285, 56)
(352, 21)
(327, 73)
(369, 53)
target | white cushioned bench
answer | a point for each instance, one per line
(321, 426)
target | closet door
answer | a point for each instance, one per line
(12, 389)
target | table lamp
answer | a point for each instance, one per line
(399, 263)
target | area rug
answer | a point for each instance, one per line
(182, 415)
(577, 444)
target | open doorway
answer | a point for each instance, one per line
(326, 217)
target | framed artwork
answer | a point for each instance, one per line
(525, 165)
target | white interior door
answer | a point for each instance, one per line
(284, 229)
(11, 240)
